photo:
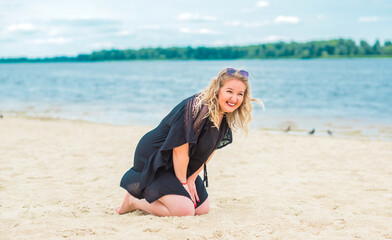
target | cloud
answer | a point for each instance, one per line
(274, 38)
(23, 27)
(59, 40)
(247, 24)
(92, 28)
(320, 17)
(150, 27)
(185, 30)
(369, 19)
(124, 33)
(198, 31)
(263, 4)
(207, 31)
(85, 22)
(186, 16)
(53, 32)
(278, 20)
(286, 19)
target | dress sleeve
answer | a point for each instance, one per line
(180, 126)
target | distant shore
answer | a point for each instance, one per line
(73, 60)
(335, 48)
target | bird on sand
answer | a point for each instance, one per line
(329, 132)
(288, 128)
(312, 132)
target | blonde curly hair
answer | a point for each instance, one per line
(239, 118)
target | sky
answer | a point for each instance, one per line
(48, 28)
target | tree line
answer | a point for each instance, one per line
(314, 49)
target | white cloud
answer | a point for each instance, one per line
(198, 31)
(124, 33)
(53, 32)
(320, 17)
(247, 24)
(25, 27)
(369, 19)
(59, 40)
(85, 22)
(277, 20)
(263, 4)
(274, 38)
(185, 30)
(150, 27)
(207, 31)
(286, 19)
(256, 24)
(194, 17)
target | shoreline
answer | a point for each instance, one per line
(344, 131)
(333, 57)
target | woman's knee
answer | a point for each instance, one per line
(182, 211)
(204, 208)
(178, 205)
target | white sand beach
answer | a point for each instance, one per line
(60, 180)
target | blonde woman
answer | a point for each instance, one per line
(164, 179)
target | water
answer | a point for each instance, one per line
(337, 94)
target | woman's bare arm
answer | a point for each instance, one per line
(181, 161)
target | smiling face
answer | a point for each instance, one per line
(231, 95)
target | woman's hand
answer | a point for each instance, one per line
(191, 189)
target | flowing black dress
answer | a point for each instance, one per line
(152, 175)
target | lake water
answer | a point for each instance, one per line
(350, 96)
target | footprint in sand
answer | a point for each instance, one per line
(78, 232)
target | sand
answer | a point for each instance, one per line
(59, 180)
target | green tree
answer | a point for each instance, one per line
(365, 47)
(377, 47)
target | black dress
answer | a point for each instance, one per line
(152, 175)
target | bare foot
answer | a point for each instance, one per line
(127, 205)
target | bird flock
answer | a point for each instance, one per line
(311, 132)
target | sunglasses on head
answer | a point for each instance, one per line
(232, 71)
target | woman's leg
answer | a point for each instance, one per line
(203, 208)
(169, 205)
(178, 205)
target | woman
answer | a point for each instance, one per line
(165, 180)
